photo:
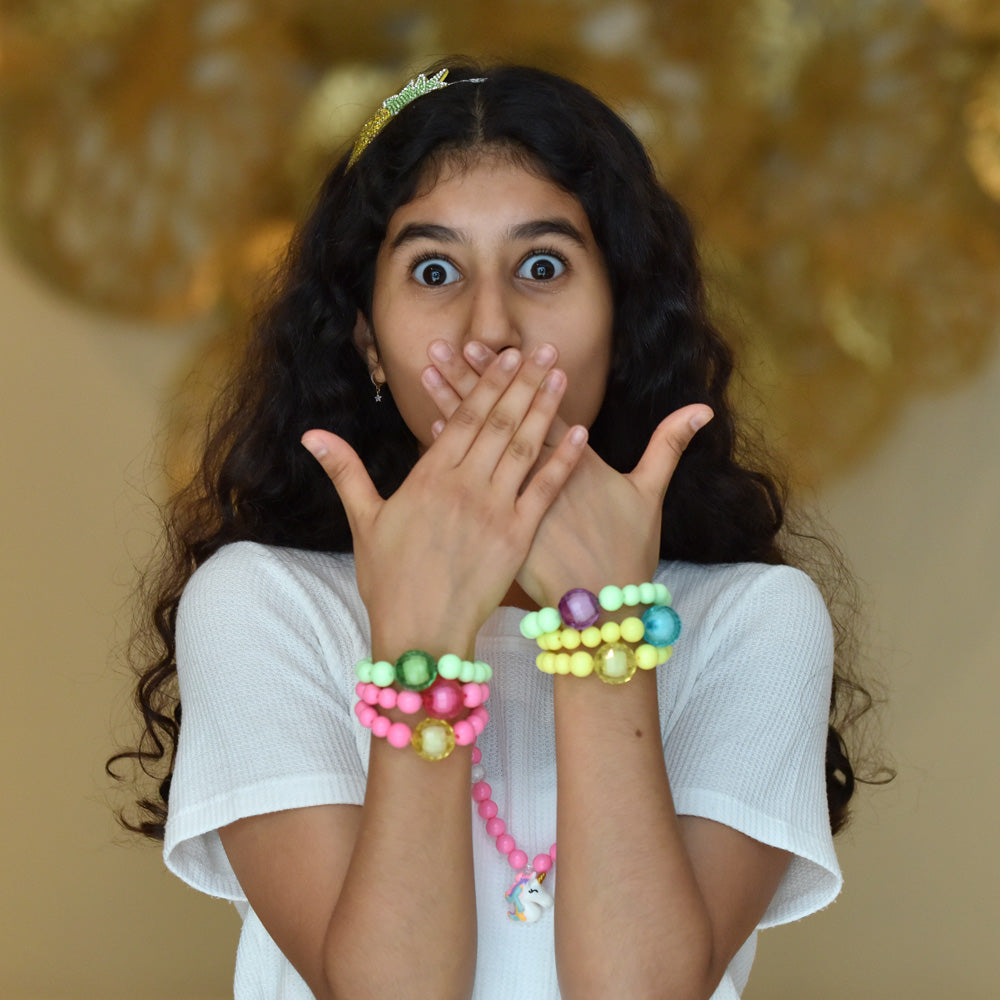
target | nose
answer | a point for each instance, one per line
(493, 315)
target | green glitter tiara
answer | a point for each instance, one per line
(391, 107)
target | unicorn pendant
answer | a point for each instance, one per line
(527, 901)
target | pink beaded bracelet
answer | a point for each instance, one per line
(432, 738)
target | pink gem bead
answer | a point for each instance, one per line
(409, 702)
(381, 726)
(541, 863)
(518, 859)
(505, 843)
(465, 735)
(488, 809)
(399, 735)
(443, 699)
(387, 698)
(579, 608)
(496, 826)
(481, 791)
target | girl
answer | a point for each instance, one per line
(490, 339)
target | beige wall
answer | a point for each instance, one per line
(82, 398)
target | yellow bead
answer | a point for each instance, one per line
(665, 653)
(610, 632)
(552, 641)
(632, 629)
(581, 663)
(546, 662)
(562, 663)
(614, 663)
(570, 638)
(591, 637)
(646, 656)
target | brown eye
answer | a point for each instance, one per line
(435, 272)
(541, 267)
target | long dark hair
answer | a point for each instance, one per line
(303, 370)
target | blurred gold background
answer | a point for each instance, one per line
(842, 161)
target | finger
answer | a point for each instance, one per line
(656, 467)
(444, 397)
(521, 454)
(545, 485)
(347, 473)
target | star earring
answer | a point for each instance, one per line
(378, 388)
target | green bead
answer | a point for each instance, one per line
(383, 674)
(363, 669)
(530, 628)
(647, 593)
(549, 619)
(468, 672)
(630, 594)
(482, 672)
(487, 672)
(416, 670)
(450, 666)
(610, 598)
(662, 594)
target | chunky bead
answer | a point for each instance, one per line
(433, 739)
(662, 595)
(468, 672)
(663, 625)
(615, 663)
(478, 773)
(496, 826)
(370, 694)
(552, 852)
(541, 863)
(481, 791)
(665, 653)
(569, 638)
(465, 735)
(591, 637)
(487, 809)
(381, 725)
(581, 663)
(611, 598)
(632, 629)
(387, 698)
(443, 699)
(646, 656)
(549, 620)
(449, 666)
(530, 628)
(478, 718)
(483, 672)
(647, 593)
(477, 755)
(472, 695)
(363, 670)
(579, 608)
(630, 594)
(546, 662)
(383, 674)
(517, 858)
(366, 714)
(562, 663)
(610, 632)
(415, 670)
(505, 843)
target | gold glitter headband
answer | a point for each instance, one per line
(391, 107)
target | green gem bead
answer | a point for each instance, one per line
(416, 670)
(549, 619)
(450, 666)
(610, 598)
(383, 674)
(363, 670)
(615, 663)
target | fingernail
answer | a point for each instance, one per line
(436, 428)
(315, 448)
(476, 351)
(545, 354)
(509, 359)
(440, 351)
(578, 435)
(699, 420)
(554, 381)
(432, 376)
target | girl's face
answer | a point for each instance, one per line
(493, 252)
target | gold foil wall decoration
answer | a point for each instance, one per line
(841, 159)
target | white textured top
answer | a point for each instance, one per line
(267, 639)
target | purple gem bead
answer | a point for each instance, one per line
(579, 608)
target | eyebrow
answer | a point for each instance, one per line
(532, 230)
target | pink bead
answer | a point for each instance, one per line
(481, 791)
(505, 843)
(409, 702)
(387, 698)
(541, 863)
(399, 735)
(359, 688)
(579, 608)
(518, 859)
(486, 693)
(381, 725)
(477, 755)
(366, 714)
(488, 809)
(465, 735)
(443, 699)
(495, 826)
(478, 718)
(552, 852)
(472, 697)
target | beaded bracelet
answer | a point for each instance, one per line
(416, 670)
(572, 624)
(432, 738)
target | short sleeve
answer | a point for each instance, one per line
(262, 652)
(747, 745)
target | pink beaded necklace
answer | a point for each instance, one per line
(526, 900)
